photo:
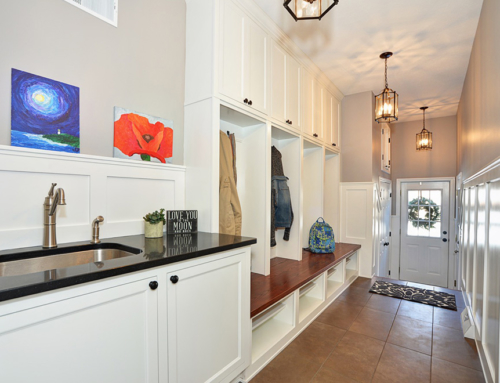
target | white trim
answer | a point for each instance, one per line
(451, 255)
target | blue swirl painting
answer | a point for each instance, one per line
(45, 113)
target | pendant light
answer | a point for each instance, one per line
(309, 9)
(424, 138)
(386, 103)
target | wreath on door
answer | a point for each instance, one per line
(432, 214)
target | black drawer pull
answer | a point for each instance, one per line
(245, 100)
(174, 279)
(153, 285)
(315, 135)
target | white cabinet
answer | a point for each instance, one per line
(331, 114)
(243, 58)
(285, 88)
(208, 321)
(317, 110)
(312, 108)
(109, 335)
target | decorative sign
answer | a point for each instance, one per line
(182, 221)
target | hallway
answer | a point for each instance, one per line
(365, 337)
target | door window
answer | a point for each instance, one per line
(424, 213)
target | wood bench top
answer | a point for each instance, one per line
(288, 275)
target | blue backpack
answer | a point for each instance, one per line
(321, 238)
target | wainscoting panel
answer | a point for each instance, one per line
(122, 191)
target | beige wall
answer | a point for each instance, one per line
(479, 109)
(407, 162)
(356, 134)
(139, 65)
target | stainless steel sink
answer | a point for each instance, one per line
(73, 257)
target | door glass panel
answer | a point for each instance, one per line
(424, 213)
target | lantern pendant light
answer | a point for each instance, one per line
(424, 138)
(309, 9)
(386, 103)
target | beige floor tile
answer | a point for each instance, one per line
(326, 375)
(447, 318)
(411, 333)
(416, 311)
(447, 372)
(319, 339)
(356, 356)
(355, 295)
(384, 303)
(361, 282)
(398, 364)
(292, 365)
(373, 323)
(340, 314)
(449, 344)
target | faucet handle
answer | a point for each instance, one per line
(51, 191)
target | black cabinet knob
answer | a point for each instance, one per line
(315, 135)
(334, 144)
(445, 240)
(174, 279)
(153, 285)
(291, 122)
(245, 100)
(288, 121)
(250, 102)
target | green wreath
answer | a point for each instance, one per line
(433, 212)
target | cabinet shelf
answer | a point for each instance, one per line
(310, 297)
(351, 267)
(335, 279)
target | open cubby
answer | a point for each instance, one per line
(334, 279)
(351, 267)
(270, 326)
(312, 186)
(331, 198)
(251, 154)
(310, 297)
(289, 147)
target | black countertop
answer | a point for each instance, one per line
(154, 252)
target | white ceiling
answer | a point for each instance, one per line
(431, 41)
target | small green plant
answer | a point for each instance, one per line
(155, 217)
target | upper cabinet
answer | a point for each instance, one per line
(312, 122)
(285, 87)
(243, 74)
(331, 120)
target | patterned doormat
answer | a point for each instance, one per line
(427, 297)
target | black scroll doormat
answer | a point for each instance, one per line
(427, 297)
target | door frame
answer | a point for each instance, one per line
(396, 233)
(389, 249)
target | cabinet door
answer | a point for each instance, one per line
(307, 103)
(255, 86)
(327, 118)
(105, 336)
(232, 48)
(293, 92)
(336, 122)
(209, 321)
(317, 110)
(278, 81)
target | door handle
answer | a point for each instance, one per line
(456, 251)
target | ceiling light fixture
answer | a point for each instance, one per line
(424, 138)
(386, 103)
(309, 9)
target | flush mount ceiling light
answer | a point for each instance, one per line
(309, 9)
(386, 103)
(424, 138)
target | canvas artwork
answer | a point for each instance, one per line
(45, 114)
(142, 137)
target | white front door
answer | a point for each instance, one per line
(424, 232)
(385, 226)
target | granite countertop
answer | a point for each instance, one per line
(154, 252)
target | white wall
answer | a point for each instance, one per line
(139, 65)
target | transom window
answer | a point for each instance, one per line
(424, 213)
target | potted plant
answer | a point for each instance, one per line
(153, 225)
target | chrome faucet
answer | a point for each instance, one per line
(95, 229)
(49, 216)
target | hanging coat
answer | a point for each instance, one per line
(229, 203)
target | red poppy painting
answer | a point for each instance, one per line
(142, 137)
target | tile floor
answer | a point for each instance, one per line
(363, 337)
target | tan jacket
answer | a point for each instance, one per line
(229, 203)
